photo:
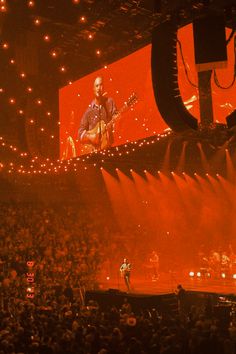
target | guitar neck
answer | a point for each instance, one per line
(117, 115)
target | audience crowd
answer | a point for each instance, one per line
(48, 257)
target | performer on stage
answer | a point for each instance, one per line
(154, 262)
(95, 132)
(125, 270)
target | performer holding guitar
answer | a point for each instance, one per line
(125, 270)
(97, 123)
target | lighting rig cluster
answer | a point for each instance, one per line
(204, 275)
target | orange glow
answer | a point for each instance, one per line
(205, 163)
(46, 38)
(131, 197)
(181, 163)
(37, 22)
(83, 19)
(62, 69)
(31, 3)
(116, 197)
(229, 166)
(166, 161)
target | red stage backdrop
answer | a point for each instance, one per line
(133, 74)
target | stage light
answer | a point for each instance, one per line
(191, 274)
(37, 22)
(54, 54)
(46, 38)
(199, 274)
(234, 276)
(82, 19)
(223, 275)
(62, 69)
(107, 278)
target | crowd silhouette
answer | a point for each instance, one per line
(49, 255)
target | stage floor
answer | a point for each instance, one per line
(167, 283)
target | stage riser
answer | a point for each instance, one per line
(164, 303)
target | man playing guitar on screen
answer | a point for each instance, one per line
(97, 124)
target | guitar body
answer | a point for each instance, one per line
(100, 131)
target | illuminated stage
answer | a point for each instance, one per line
(215, 295)
(168, 282)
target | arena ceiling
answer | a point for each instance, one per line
(79, 28)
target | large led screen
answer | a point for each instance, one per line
(132, 76)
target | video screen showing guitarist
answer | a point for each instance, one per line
(95, 132)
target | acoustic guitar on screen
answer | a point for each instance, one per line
(101, 134)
